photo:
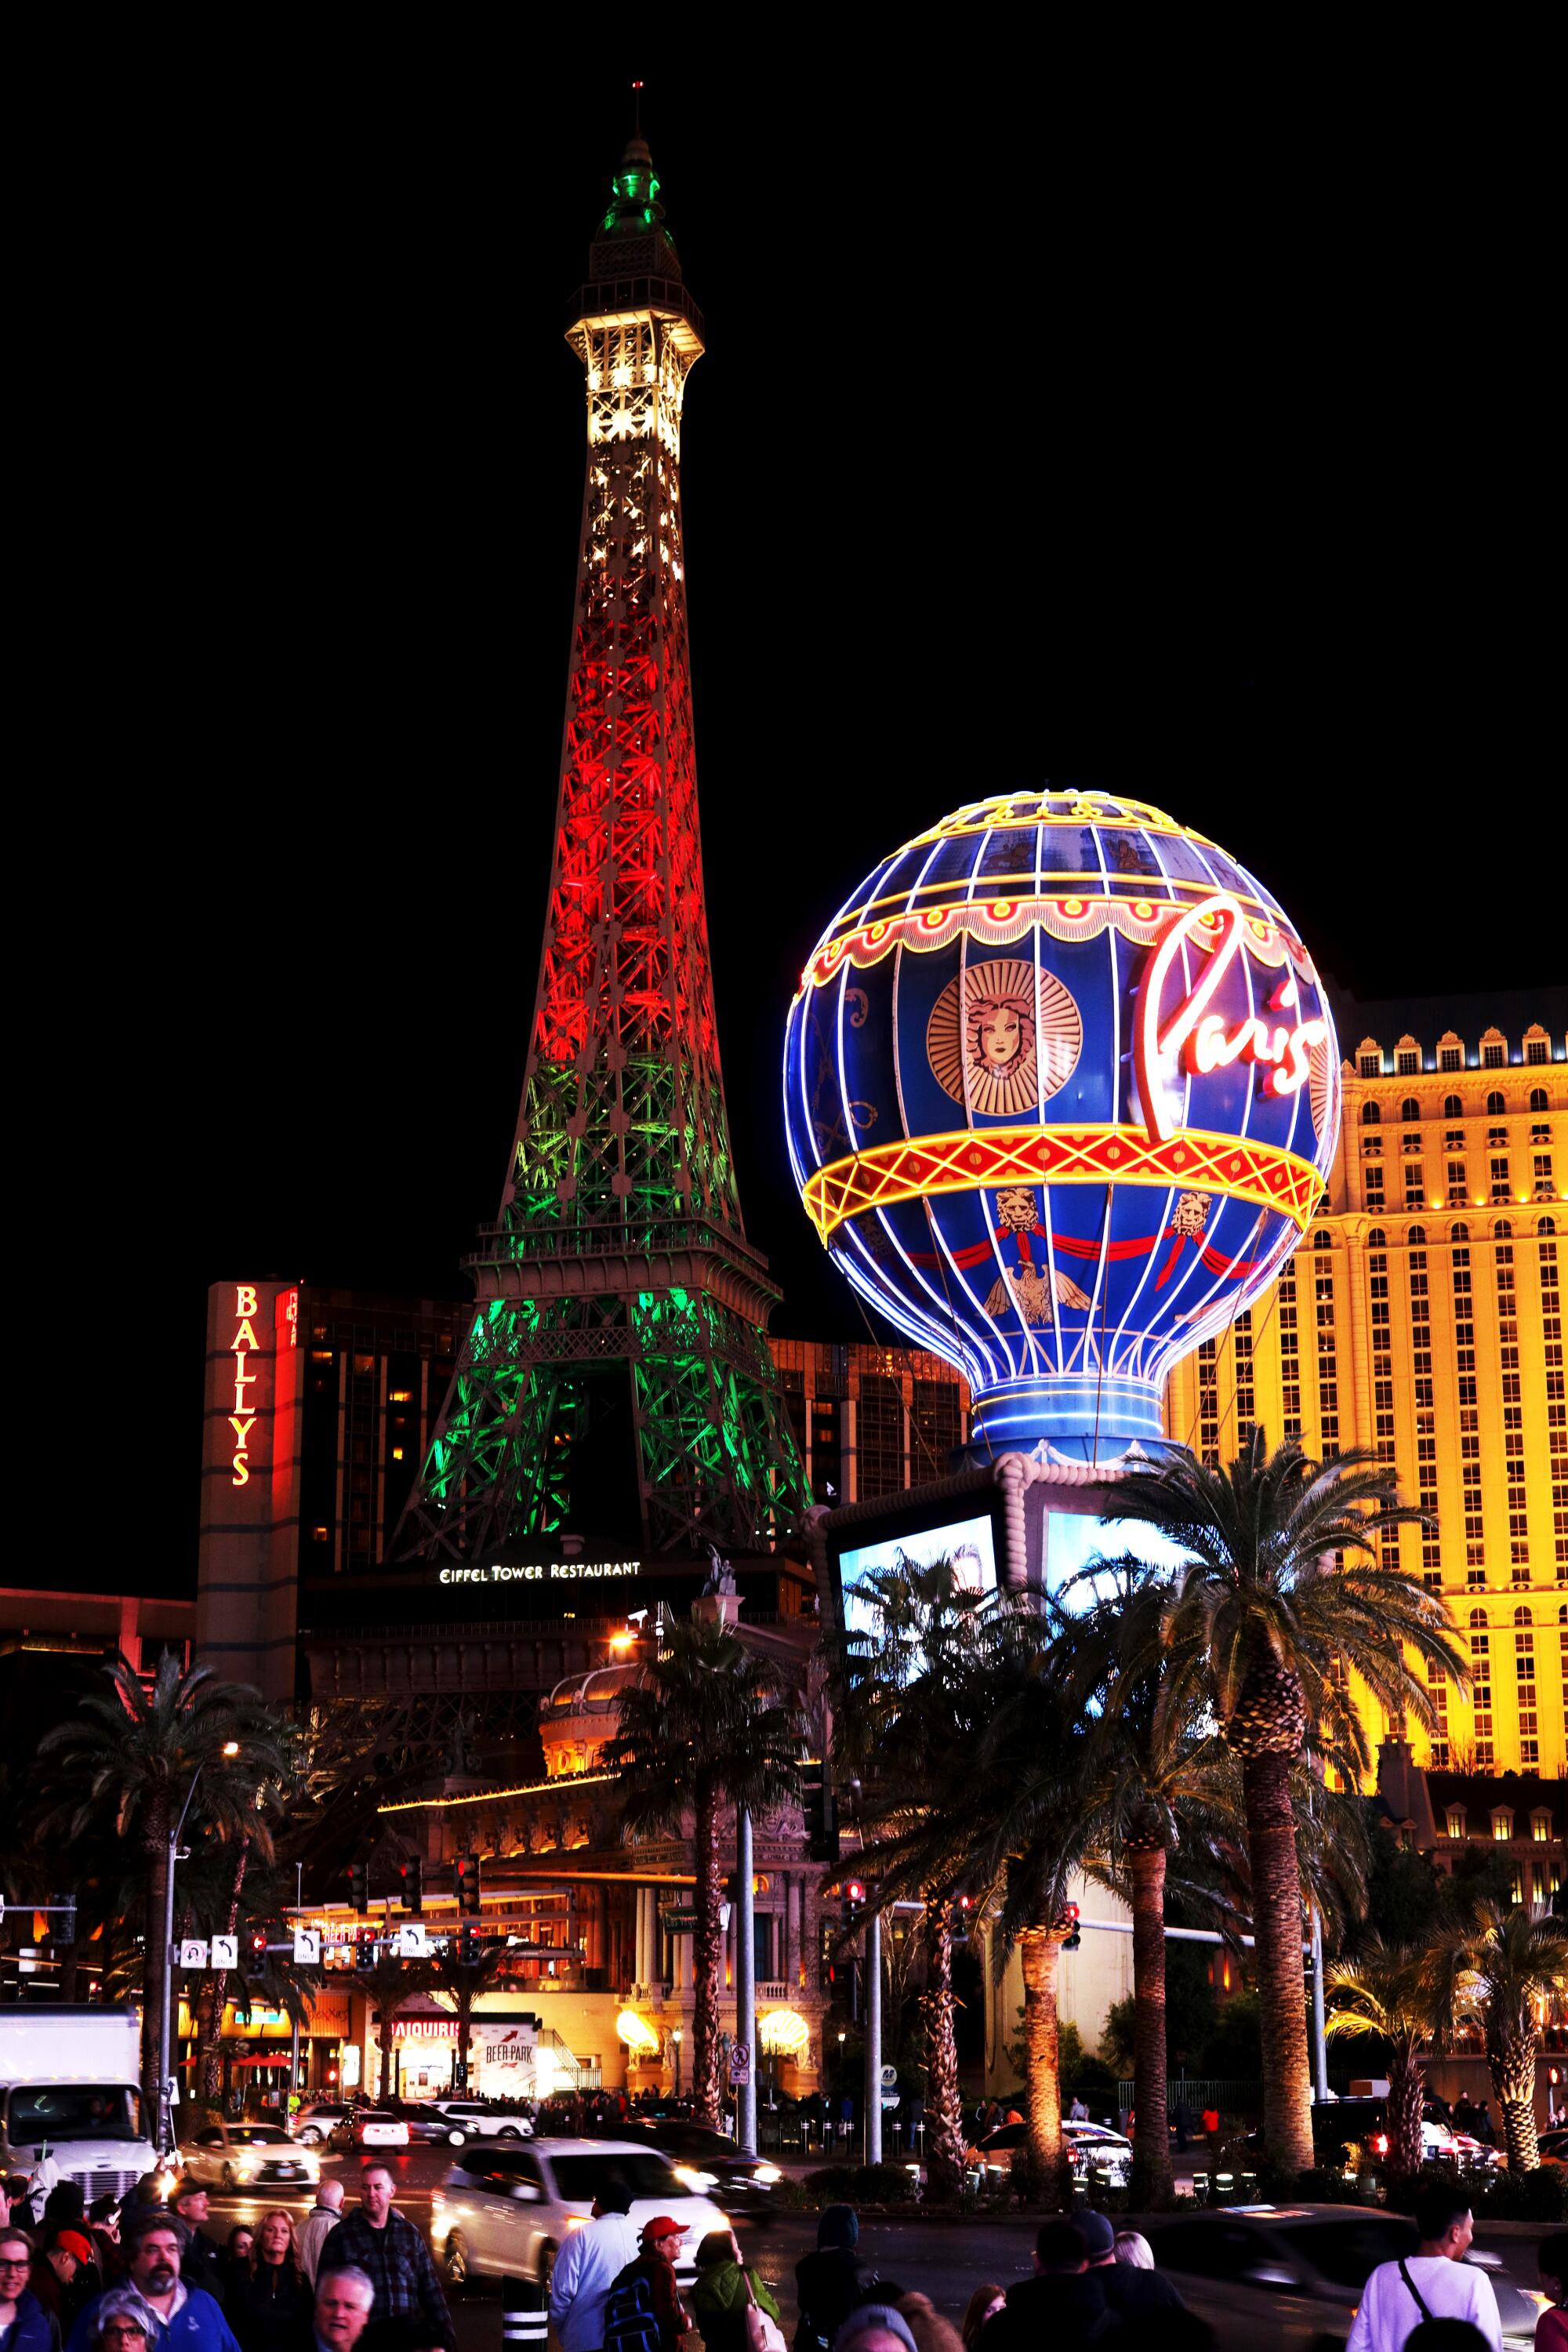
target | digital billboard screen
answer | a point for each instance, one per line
(969, 1544)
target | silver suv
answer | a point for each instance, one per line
(505, 2212)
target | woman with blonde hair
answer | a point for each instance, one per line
(268, 2304)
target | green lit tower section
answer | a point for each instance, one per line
(615, 1380)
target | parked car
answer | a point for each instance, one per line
(377, 2128)
(505, 2212)
(483, 2119)
(248, 2156)
(319, 2120)
(710, 2164)
(1292, 2275)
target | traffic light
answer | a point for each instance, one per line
(854, 1892)
(412, 1874)
(364, 1948)
(359, 1886)
(820, 1810)
(258, 1943)
(468, 1946)
(1072, 1940)
(962, 1910)
(466, 1885)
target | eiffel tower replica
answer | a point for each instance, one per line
(615, 1380)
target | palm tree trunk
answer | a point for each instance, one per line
(1511, 2063)
(1405, 2092)
(1039, 1951)
(209, 2047)
(155, 1957)
(945, 2116)
(1151, 2183)
(707, 1961)
(1281, 1983)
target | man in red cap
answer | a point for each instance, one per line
(660, 2242)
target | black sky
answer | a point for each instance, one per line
(1186, 439)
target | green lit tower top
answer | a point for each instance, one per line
(616, 1378)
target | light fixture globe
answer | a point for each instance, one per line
(1061, 1094)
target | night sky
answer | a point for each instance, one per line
(1046, 430)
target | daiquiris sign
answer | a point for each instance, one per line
(548, 1571)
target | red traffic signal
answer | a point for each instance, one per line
(259, 1941)
(856, 1891)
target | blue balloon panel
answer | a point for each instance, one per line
(1062, 1092)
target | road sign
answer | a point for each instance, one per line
(193, 1952)
(740, 2065)
(307, 1948)
(890, 2078)
(410, 1943)
(679, 1923)
(226, 1951)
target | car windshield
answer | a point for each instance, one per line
(1348, 2251)
(580, 2179)
(258, 2135)
(61, 2111)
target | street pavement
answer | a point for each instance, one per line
(924, 2254)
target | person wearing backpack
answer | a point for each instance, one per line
(587, 2266)
(830, 2282)
(643, 2312)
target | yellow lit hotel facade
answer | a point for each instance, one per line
(1421, 1317)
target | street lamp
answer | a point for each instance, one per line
(675, 2037)
(165, 2081)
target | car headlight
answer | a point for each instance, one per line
(767, 2173)
(700, 2183)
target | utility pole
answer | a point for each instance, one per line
(1319, 2039)
(873, 2037)
(745, 1987)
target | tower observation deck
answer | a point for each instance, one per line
(615, 1380)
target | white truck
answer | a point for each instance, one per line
(68, 2090)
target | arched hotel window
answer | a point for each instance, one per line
(1370, 1116)
(1502, 1231)
(1409, 1109)
(1416, 1236)
(1452, 1107)
(1377, 1238)
(1458, 1233)
(1545, 1225)
(1538, 1098)
(1495, 1106)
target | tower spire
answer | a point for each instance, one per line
(615, 1379)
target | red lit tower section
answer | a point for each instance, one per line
(617, 1380)
(248, 1566)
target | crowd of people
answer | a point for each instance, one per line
(146, 2276)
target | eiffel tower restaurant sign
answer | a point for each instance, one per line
(535, 1572)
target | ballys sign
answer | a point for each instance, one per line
(1177, 1029)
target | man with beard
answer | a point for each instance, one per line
(179, 2318)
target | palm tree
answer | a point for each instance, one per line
(1392, 1991)
(1503, 1966)
(1280, 1582)
(908, 1691)
(705, 1724)
(1158, 1774)
(465, 1980)
(134, 1757)
(1023, 1810)
(392, 1986)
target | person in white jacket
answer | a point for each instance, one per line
(1435, 2283)
(587, 2266)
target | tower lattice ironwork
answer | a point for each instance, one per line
(619, 1303)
